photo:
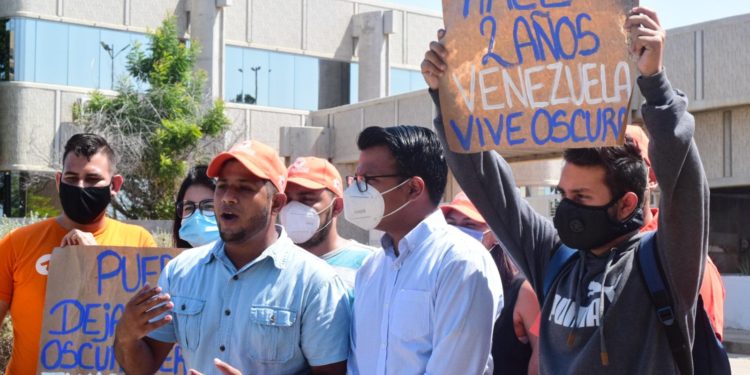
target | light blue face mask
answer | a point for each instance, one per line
(199, 229)
(474, 233)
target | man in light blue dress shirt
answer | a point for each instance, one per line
(253, 299)
(427, 303)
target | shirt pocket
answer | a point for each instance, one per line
(272, 334)
(188, 313)
(410, 315)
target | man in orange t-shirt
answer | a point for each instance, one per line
(712, 288)
(86, 186)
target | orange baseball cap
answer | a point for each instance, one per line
(640, 138)
(462, 204)
(260, 159)
(316, 173)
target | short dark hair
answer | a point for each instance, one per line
(196, 176)
(624, 167)
(417, 151)
(88, 145)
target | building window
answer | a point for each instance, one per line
(403, 81)
(271, 79)
(65, 54)
(6, 51)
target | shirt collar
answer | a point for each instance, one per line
(279, 252)
(415, 237)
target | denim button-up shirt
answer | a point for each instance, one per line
(429, 310)
(282, 311)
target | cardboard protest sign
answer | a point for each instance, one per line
(535, 74)
(87, 289)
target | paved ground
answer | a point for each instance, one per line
(740, 364)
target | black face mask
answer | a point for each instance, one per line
(588, 227)
(84, 205)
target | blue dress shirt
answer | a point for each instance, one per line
(429, 310)
(281, 313)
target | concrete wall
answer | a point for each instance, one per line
(134, 15)
(322, 28)
(46, 114)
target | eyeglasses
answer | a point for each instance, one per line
(185, 209)
(363, 180)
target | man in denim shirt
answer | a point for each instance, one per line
(253, 299)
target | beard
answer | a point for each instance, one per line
(322, 234)
(254, 225)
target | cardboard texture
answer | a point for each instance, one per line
(526, 75)
(87, 289)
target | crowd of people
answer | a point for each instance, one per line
(267, 285)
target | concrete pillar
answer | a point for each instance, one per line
(207, 28)
(373, 29)
(333, 83)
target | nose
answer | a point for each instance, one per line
(229, 197)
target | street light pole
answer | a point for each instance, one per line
(110, 48)
(242, 90)
(255, 70)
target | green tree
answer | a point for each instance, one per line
(158, 122)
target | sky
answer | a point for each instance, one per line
(672, 13)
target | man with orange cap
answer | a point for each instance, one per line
(253, 299)
(315, 199)
(712, 288)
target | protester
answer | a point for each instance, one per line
(427, 302)
(462, 214)
(195, 222)
(253, 299)
(598, 316)
(712, 287)
(86, 184)
(515, 348)
(315, 199)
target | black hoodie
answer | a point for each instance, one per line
(574, 331)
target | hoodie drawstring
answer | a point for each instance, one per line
(602, 341)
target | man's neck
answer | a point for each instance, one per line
(405, 224)
(331, 243)
(611, 245)
(69, 224)
(244, 252)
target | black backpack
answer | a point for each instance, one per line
(708, 355)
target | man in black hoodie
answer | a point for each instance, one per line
(597, 315)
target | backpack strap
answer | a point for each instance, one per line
(660, 297)
(556, 263)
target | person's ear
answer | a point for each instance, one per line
(628, 204)
(416, 187)
(277, 202)
(58, 178)
(117, 181)
(338, 206)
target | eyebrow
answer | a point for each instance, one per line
(92, 174)
(579, 190)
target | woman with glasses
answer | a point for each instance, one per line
(195, 221)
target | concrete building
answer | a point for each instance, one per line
(317, 72)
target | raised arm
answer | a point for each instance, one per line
(682, 238)
(487, 180)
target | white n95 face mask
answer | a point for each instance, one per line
(300, 221)
(365, 209)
